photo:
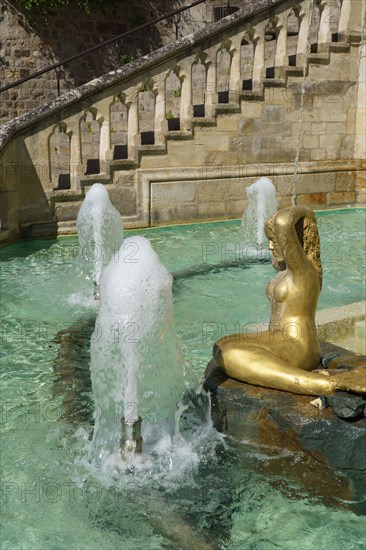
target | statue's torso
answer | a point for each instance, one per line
(292, 331)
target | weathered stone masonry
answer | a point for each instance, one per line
(28, 43)
(243, 126)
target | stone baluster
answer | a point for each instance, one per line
(211, 93)
(258, 61)
(302, 42)
(325, 33)
(131, 102)
(186, 96)
(351, 19)
(235, 80)
(160, 123)
(281, 59)
(76, 164)
(105, 151)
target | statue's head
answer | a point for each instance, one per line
(308, 235)
(278, 261)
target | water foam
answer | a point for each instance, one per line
(136, 362)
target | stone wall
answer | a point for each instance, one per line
(28, 43)
(201, 170)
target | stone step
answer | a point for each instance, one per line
(40, 229)
(319, 58)
(203, 121)
(143, 150)
(66, 228)
(223, 108)
(179, 135)
(274, 82)
(123, 164)
(88, 181)
(66, 196)
(67, 211)
(253, 95)
(339, 47)
(298, 70)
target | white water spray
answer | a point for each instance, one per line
(262, 203)
(100, 230)
(136, 363)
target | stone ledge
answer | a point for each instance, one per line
(339, 322)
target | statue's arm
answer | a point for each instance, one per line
(285, 231)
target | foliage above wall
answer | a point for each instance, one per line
(41, 6)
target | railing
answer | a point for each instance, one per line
(60, 64)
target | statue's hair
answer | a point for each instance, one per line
(308, 235)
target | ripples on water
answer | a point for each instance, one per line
(219, 500)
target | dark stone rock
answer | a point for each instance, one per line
(215, 378)
(347, 405)
(347, 361)
(274, 419)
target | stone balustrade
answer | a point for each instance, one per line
(104, 130)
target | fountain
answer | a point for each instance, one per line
(262, 203)
(136, 363)
(100, 231)
(240, 495)
(238, 507)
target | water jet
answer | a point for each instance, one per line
(136, 362)
(100, 232)
(131, 440)
(262, 203)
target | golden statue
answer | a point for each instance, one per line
(283, 357)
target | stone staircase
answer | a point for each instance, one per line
(228, 128)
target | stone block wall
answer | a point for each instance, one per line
(28, 44)
(302, 133)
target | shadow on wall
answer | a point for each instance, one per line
(22, 197)
(30, 43)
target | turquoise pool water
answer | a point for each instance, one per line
(219, 500)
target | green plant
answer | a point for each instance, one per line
(177, 93)
(145, 88)
(169, 115)
(125, 58)
(40, 7)
(89, 127)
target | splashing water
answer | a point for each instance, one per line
(100, 230)
(262, 203)
(136, 363)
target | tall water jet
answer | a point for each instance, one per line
(136, 363)
(262, 203)
(100, 230)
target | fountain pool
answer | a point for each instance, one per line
(220, 498)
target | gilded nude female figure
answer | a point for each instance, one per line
(283, 357)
